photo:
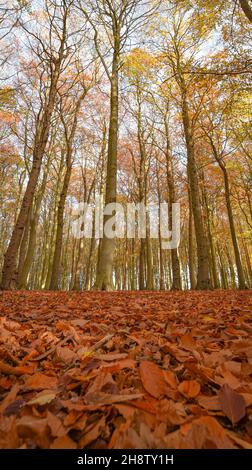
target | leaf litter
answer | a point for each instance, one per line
(126, 370)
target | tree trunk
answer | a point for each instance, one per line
(55, 274)
(191, 246)
(176, 275)
(23, 271)
(247, 9)
(161, 253)
(90, 257)
(240, 273)
(104, 279)
(212, 254)
(142, 265)
(10, 272)
(149, 270)
(203, 280)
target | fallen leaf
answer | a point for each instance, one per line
(93, 433)
(120, 365)
(10, 397)
(43, 398)
(241, 443)
(188, 342)
(202, 433)
(55, 425)
(247, 398)
(170, 378)
(232, 404)
(153, 379)
(28, 426)
(65, 355)
(209, 403)
(111, 357)
(109, 399)
(41, 381)
(18, 370)
(9, 438)
(189, 388)
(208, 319)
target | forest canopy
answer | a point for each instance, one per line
(128, 102)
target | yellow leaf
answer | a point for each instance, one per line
(87, 354)
(208, 319)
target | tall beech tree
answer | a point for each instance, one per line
(69, 114)
(51, 56)
(216, 128)
(181, 44)
(117, 19)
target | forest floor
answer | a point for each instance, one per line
(126, 370)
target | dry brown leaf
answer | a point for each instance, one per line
(10, 397)
(92, 433)
(201, 433)
(232, 404)
(108, 399)
(28, 426)
(153, 379)
(55, 425)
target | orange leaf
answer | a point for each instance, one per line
(153, 379)
(41, 381)
(188, 342)
(189, 388)
(209, 403)
(170, 378)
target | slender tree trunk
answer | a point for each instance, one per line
(133, 284)
(76, 282)
(70, 130)
(10, 272)
(176, 275)
(240, 273)
(161, 254)
(23, 271)
(203, 280)
(212, 254)
(104, 279)
(149, 270)
(222, 270)
(90, 258)
(231, 268)
(24, 247)
(191, 256)
(55, 274)
(142, 265)
(247, 8)
(248, 263)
